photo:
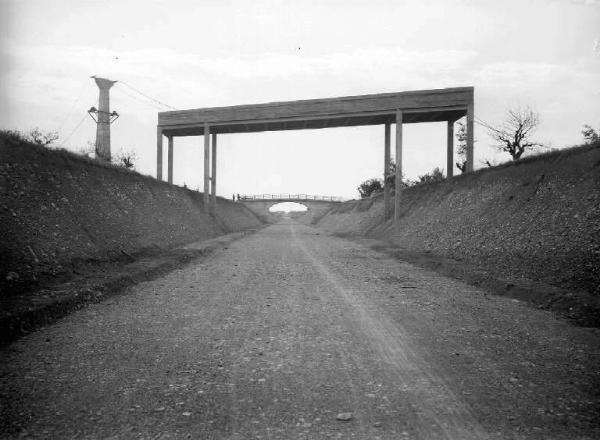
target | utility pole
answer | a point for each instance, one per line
(103, 118)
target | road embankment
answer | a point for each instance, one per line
(535, 220)
(61, 213)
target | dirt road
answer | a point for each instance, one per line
(278, 334)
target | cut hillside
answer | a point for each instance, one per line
(536, 219)
(60, 212)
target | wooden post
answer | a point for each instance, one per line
(450, 150)
(170, 160)
(213, 188)
(159, 153)
(206, 166)
(398, 167)
(470, 136)
(386, 173)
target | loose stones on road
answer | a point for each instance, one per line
(344, 417)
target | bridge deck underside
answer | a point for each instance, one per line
(328, 122)
(419, 106)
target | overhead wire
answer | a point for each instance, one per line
(483, 123)
(73, 132)
(73, 105)
(480, 121)
(145, 102)
(146, 96)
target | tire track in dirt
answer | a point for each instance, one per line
(278, 332)
(438, 405)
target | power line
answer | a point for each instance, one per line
(146, 96)
(150, 104)
(73, 132)
(75, 102)
(139, 99)
(484, 124)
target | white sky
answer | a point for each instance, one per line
(288, 207)
(192, 54)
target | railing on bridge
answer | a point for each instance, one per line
(295, 197)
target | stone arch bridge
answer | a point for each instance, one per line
(317, 206)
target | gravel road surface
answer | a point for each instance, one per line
(292, 333)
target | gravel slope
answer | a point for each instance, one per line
(536, 219)
(60, 212)
(277, 334)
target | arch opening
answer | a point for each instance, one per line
(287, 207)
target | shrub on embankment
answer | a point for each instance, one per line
(59, 210)
(538, 218)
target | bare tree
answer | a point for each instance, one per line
(126, 158)
(128, 161)
(461, 150)
(391, 178)
(87, 151)
(368, 187)
(435, 175)
(513, 135)
(590, 135)
(36, 136)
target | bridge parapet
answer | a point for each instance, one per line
(288, 198)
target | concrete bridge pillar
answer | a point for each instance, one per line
(206, 167)
(386, 173)
(210, 165)
(470, 135)
(210, 171)
(170, 160)
(450, 150)
(213, 178)
(159, 154)
(398, 166)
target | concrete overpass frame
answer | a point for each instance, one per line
(384, 109)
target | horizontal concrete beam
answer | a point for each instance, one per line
(417, 106)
